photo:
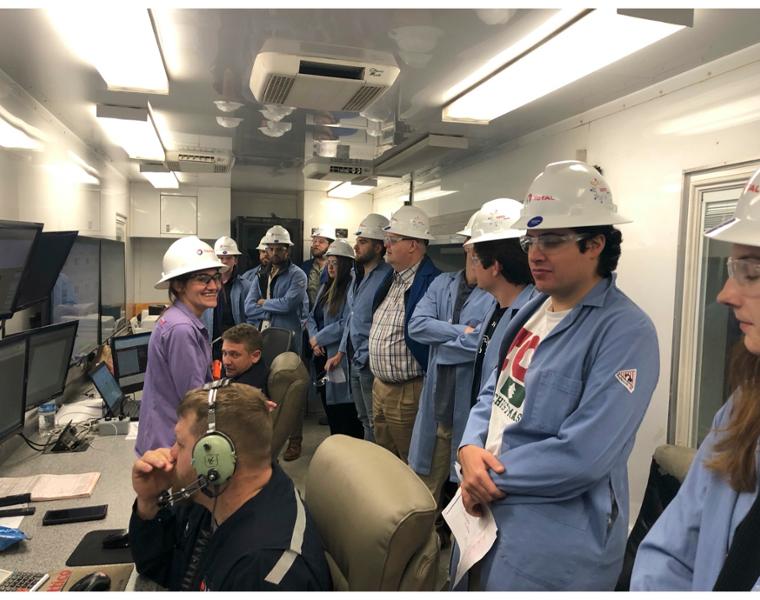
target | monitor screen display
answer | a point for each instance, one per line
(13, 377)
(17, 240)
(75, 295)
(130, 360)
(49, 357)
(45, 263)
(107, 387)
(113, 295)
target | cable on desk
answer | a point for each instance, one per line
(36, 446)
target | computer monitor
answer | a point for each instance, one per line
(17, 240)
(45, 264)
(130, 359)
(48, 365)
(113, 297)
(13, 378)
(108, 388)
(76, 294)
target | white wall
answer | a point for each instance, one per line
(645, 143)
(340, 213)
(38, 185)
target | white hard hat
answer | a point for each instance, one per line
(468, 228)
(325, 231)
(495, 221)
(372, 227)
(277, 235)
(410, 221)
(186, 255)
(569, 193)
(262, 244)
(226, 246)
(340, 248)
(744, 227)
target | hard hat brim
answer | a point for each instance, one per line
(735, 231)
(565, 221)
(492, 237)
(163, 283)
(370, 236)
(466, 232)
(416, 236)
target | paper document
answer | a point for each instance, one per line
(474, 535)
(50, 487)
(132, 435)
(337, 375)
(13, 522)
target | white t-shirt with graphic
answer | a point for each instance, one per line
(509, 397)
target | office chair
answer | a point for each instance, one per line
(667, 471)
(276, 341)
(288, 384)
(375, 517)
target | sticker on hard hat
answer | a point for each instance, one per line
(224, 252)
(535, 221)
(199, 251)
(541, 198)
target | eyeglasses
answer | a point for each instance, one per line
(549, 242)
(277, 249)
(746, 273)
(205, 278)
(332, 262)
(394, 240)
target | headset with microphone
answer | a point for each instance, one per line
(213, 458)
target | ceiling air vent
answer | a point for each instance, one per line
(187, 161)
(277, 90)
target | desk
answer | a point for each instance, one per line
(50, 546)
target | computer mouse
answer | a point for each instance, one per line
(94, 582)
(118, 539)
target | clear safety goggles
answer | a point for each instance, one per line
(746, 273)
(548, 242)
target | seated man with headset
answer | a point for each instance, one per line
(246, 527)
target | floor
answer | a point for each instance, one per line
(313, 435)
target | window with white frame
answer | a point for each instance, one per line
(707, 330)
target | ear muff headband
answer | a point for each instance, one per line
(214, 455)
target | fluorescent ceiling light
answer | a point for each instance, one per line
(594, 41)
(17, 139)
(349, 190)
(429, 194)
(133, 129)
(71, 172)
(162, 181)
(119, 42)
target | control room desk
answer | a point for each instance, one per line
(49, 547)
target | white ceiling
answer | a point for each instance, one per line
(213, 50)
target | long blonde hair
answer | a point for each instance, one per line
(735, 454)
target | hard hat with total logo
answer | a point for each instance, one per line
(468, 228)
(340, 248)
(372, 227)
(496, 221)
(262, 244)
(187, 255)
(277, 235)
(226, 246)
(325, 231)
(410, 221)
(569, 193)
(744, 227)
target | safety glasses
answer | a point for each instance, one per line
(549, 242)
(390, 241)
(746, 273)
(205, 278)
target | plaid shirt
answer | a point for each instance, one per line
(389, 357)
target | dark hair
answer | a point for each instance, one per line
(608, 259)
(513, 261)
(179, 278)
(336, 293)
(382, 247)
(246, 334)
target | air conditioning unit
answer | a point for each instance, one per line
(336, 170)
(199, 161)
(321, 76)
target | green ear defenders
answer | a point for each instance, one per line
(214, 457)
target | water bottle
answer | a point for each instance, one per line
(46, 417)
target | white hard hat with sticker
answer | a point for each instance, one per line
(569, 193)
(187, 255)
(226, 246)
(495, 221)
(410, 221)
(744, 227)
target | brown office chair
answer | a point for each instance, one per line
(375, 517)
(288, 384)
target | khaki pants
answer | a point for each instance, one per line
(440, 467)
(394, 408)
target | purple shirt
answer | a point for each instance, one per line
(179, 360)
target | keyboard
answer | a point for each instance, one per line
(21, 581)
(131, 409)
